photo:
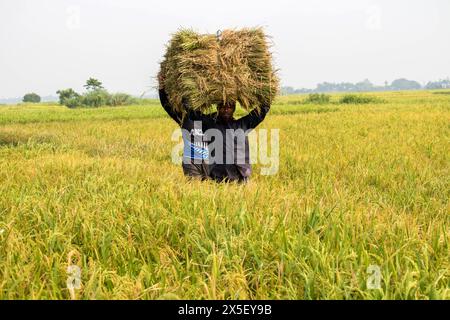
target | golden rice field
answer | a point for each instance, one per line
(357, 186)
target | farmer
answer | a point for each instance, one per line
(231, 161)
(235, 143)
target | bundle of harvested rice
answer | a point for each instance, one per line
(205, 69)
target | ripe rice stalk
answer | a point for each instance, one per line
(202, 70)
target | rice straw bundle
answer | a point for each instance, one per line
(204, 70)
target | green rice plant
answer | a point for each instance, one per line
(358, 99)
(318, 98)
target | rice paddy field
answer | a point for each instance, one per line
(359, 186)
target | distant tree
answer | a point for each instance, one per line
(347, 86)
(326, 87)
(287, 90)
(66, 95)
(441, 84)
(73, 102)
(405, 84)
(121, 99)
(365, 85)
(93, 84)
(302, 90)
(31, 97)
(96, 98)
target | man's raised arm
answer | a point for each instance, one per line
(177, 116)
(254, 118)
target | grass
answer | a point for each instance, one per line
(358, 185)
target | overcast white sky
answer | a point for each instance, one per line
(46, 45)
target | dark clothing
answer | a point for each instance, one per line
(193, 124)
(196, 171)
(213, 148)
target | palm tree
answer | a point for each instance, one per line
(93, 84)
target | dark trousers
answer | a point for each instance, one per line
(201, 171)
(196, 170)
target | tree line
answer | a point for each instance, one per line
(366, 85)
(96, 95)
